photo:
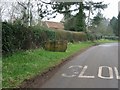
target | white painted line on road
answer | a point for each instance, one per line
(69, 76)
(116, 72)
(75, 72)
(110, 72)
(82, 73)
(76, 66)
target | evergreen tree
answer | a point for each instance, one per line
(65, 8)
(97, 19)
(119, 25)
(114, 25)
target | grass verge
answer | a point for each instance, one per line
(27, 64)
(106, 41)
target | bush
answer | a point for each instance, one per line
(15, 37)
(57, 46)
(18, 37)
(110, 37)
(70, 36)
(7, 38)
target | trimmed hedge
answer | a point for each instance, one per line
(15, 37)
(18, 37)
(70, 36)
(56, 46)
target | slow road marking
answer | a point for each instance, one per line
(82, 73)
(77, 72)
(110, 72)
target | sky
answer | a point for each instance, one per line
(109, 12)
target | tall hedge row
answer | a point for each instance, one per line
(18, 37)
(15, 37)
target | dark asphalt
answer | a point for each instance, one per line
(94, 68)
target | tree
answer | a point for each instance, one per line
(93, 6)
(2, 10)
(65, 8)
(76, 22)
(97, 19)
(80, 19)
(50, 10)
(26, 12)
(100, 26)
(114, 25)
(119, 25)
(69, 24)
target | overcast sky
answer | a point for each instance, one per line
(111, 11)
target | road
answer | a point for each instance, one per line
(95, 68)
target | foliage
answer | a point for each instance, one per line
(119, 25)
(114, 25)
(18, 37)
(74, 24)
(97, 19)
(69, 24)
(110, 37)
(27, 64)
(14, 37)
(102, 41)
(65, 7)
(56, 46)
(100, 26)
(78, 21)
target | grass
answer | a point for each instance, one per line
(27, 64)
(106, 41)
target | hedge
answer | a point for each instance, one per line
(15, 37)
(19, 37)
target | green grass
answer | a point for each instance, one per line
(106, 41)
(27, 64)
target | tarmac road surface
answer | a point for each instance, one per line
(95, 68)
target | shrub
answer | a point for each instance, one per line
(70, 36)
(18, 37)
(7, 38)
(57, 46)
(39, 36)
(15, 37)
(60, 35)
(79, 36)
(110, 37)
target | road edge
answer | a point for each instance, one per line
(46, 75)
